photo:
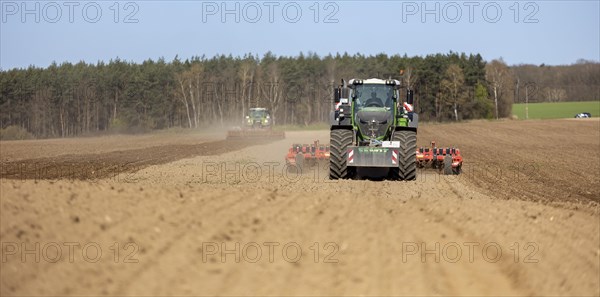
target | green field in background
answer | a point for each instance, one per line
(556, 110)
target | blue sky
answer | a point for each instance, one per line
(536, 32)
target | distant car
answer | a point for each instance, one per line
(583, 115)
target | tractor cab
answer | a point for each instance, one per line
(374, 103)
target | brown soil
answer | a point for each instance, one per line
(110, 164)
(190, 218)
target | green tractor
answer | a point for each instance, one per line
(258, 118)
(372, 127)
(257, 124)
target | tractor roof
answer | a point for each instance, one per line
(258, 108)
(375, 81)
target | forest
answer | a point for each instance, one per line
(118, 96)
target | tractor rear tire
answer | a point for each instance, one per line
(407, 158)
(448, 165)
(338, 154)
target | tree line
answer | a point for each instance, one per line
(577, 82)
(120, 96)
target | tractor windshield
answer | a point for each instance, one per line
(258, 113)
(374, 95)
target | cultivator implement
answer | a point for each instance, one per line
(446, 160)
(301, 156)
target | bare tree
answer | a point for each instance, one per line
(246, 73)
(182, 79)
(272, 90)
(191, 90)
(453, 85)
(409, 77)
(555, 94)
(499, 78)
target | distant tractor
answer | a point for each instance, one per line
(257, 124)
(372, 127)
(258, 118)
